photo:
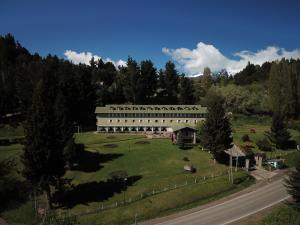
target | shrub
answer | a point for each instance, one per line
(119, 175)
(186, 159)
(245, 138)
(253, 130)
(264, 145)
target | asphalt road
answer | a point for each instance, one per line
(236, 208)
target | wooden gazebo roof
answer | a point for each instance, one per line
(235, 151)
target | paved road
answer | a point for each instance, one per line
(236, 208)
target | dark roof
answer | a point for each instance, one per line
(151, 109)
(176, 129)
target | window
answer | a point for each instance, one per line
(156, 121)
(171, 121)
(110, 121)
(125, 121)
(186, 121)
(118, 121)
(195, 121)
(141, 121)
(178, 121)
(163, 121)
(133, 121)
(149, 121)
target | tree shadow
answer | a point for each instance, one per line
(13, 194)
(92, 192)
(91, 161)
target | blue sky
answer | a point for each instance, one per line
(141, 29)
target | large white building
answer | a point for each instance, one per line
(148, 118)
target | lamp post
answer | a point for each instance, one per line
(125, 179)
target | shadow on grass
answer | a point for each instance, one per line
(92, 192)
(91, 161)
(13, 194)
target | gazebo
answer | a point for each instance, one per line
(235, 151)
(184, 136)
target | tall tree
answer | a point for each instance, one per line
(206, 79)
(171, 79)
(216, 131)
(279, 87)
(43, 151)
(147, 83)
(130, 77)
(293, 184)
(186, 91)
(279, 135)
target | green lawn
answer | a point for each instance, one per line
(150, 166)
(283, 215)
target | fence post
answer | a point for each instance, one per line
(195, 180)
(204, 178)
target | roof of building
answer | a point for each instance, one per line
(235, 151)
(151, 109)
(178, 128)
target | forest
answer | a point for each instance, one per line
(254, 90)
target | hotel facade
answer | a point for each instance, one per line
(148, 118)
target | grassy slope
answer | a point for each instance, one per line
(161, 165)
(284, 215)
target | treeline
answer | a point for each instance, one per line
(84, 86)
(254, 90)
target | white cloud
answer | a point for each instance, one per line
(193, 61)
(85, 58)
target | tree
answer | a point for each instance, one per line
(216, 131)
(43, 160)
(171, 82)
(279, 135)
(130, 77)
(147, 83)
(293, 185)
(186, 91)
(206, 79)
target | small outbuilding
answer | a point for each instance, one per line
(184, 137)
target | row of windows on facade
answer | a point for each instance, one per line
(143, 115)
(156, 121)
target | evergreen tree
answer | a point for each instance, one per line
(147, 82)
(279, 87)
(43, 151)
(131, 75)
(206, 79)
(186, 91)
(216, 131)
(293, 185)
(279, 135)
(171, 82)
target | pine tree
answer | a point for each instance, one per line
(216, 131)
(293, 185)
(279, 135)
(186, 91)
(171, 82)
(206, 79)
(43, 160)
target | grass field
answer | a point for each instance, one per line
(284, 215)
(151, 164)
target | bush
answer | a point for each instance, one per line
(119, 175)
(294, 124)
(264, 145)
(186, 159)
(245, 138)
